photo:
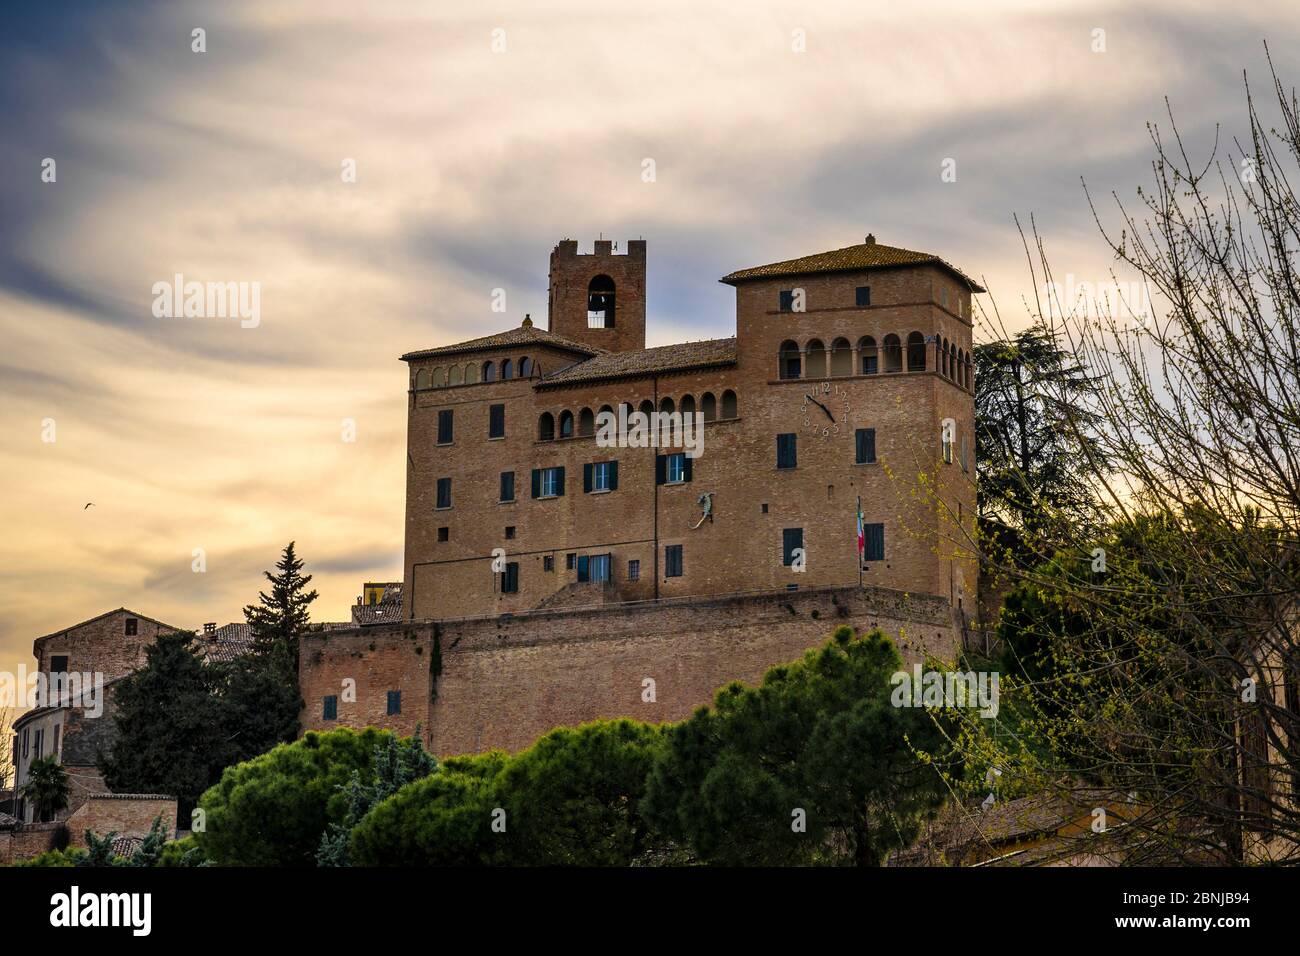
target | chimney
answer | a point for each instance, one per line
(871, 239)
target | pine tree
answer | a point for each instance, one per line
(283, 613)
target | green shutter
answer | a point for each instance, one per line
(537, 482)
(687, 468)
(613, 476)
(586, 478)
(559, 481)
(661, 469)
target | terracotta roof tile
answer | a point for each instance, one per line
(667, 358)
(866, 255)
(511, 338)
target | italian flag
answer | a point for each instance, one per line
(862, 532)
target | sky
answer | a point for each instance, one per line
(481, 133)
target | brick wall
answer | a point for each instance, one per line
(123, 814)
(505, 681)
(23, 843)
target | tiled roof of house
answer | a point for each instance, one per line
(382, 613)
(125, 846)
(98, 617)
(7, 822)
(708, 353)
(511, 338)
(228, 642)
(866, 255)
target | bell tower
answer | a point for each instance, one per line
(598, 299)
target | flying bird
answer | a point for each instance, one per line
(88, 504)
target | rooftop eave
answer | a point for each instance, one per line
(750, 275)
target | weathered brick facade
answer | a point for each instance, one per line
(504, 682)
(592, 589)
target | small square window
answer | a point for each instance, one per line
(548, 562)
(863, 295)
(330, 708)
(59, 664)
(394, 702)
(570, 561)
(786, 300)
(764, 507)
(510, 532)
(132, 626)
(444, 533)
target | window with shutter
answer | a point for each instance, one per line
(673, 561)
(444, 426)
(444, 493)
(394, 702)
(866, 445)
(507, 486)
(330, 710)
(875, 542)
(510, 578)
(496, 421)
(786, 455)
(791, 538)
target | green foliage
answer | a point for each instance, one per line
(260, 704)
(396, 764)
(443, 820)
(819, 735)
(46, 787)
(171, 735)
(573, 797)
(283, 614)
(274, 809)
(183, 853)
(72, 856)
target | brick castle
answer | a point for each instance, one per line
(553, 576)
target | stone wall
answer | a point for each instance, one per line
(126, 814)
(507, 680)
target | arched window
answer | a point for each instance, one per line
(816, 359)
(709, 406)
(455, 375)
(869, 359)
(439, 377)
(729, 404)
(471, 373)
(507, 369)
(965, 369)
(566, 424)
(422, 378)
(687, 406)
(790, 360)
(586, 423)
(647, 407)
(600, 303)
(546, 427)
(489, 372)
(666, 404)
(916, 352)
(841, 357)
(525, 367)
(893, 353)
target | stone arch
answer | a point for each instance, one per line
(546, 427)
(729, 408)
(709, 406)
(566, 424)
(586, 423)
(789, 360)
(916, 352)
(841, 357)
(893, 353)
(868, 357)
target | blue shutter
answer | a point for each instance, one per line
(661, 469)
(584, 566)
(686, 467)
(613, 476)
(537, 482)
(586, 478)
(559, 480)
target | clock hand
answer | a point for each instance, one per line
(822, 407)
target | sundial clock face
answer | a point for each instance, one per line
(826, 410)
